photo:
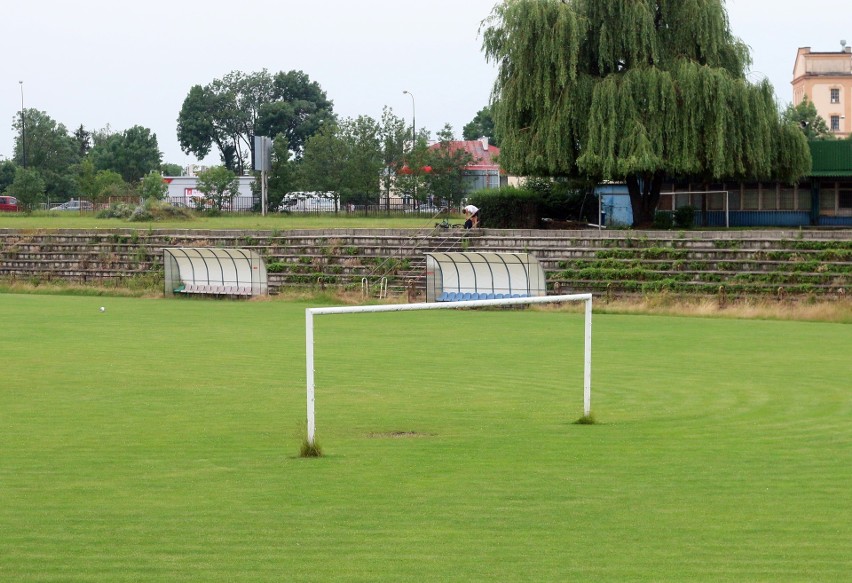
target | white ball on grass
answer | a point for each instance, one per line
(103, 309)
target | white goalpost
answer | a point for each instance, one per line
(311, 312)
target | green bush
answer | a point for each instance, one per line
(684, 217)
(165, 211)
(152, 210)
(663, 220)
(508, 208)
(564, 200)
(141, 215)
(120, 210)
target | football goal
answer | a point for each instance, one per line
(353, 346)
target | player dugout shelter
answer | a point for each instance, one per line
(204, 270)
(454, 277)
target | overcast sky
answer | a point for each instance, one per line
(99, 62)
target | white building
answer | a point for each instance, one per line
(184, 189)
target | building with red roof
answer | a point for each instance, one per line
(484, 171)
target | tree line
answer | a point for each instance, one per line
(52, 164)
(356, 160)
(314, 149)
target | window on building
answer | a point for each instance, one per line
(751, 197)
(835, 95)
(716, 201)
(803, 197)
(787, 198)
(683, 199)
(665, 203)
(734, 197)
(827, 196)
(769, 197)
(835, 123)
(844, 196)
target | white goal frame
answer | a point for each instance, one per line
(311, 312)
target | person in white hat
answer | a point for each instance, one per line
(472, 214)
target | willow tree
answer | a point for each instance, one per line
(633, 91)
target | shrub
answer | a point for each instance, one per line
(140, 215)
(684, 217)
(663, 220)
(564, 200)
(152, 210)
(508, 208)
(165, 211)
(117, 211)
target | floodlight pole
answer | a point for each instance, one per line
(413, 137)
(23, 129)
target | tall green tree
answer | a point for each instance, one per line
(229, 112)
(132, 153)
(28, 187)
(805, 117)
(84, 140)
(153, 186)
(482, 126)
(365, 160)
(635, 92)
(169, 169)
(447, 178)
(296, 108)
(86, 179)
(411, 176)
(393, 136)
(325, 162)
(109, 183)
(51, 150)
(282, 174)
(219, 186)
(344, 159)
(7, 174)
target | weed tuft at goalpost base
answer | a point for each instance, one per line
(310, 449)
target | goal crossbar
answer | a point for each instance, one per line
(311, 312)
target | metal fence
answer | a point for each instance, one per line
(318, 207)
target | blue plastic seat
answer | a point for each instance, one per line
(466, 296)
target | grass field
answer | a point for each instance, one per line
(158, 441)
(236, 221)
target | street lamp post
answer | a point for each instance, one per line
(23, 128)
(413, 119)
(413, 135)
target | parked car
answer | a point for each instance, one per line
(8, 204)
(74, 205)
(308, 205)
(427, 209)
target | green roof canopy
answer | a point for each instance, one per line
(831, 158)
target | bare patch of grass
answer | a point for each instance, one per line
(399, 435)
